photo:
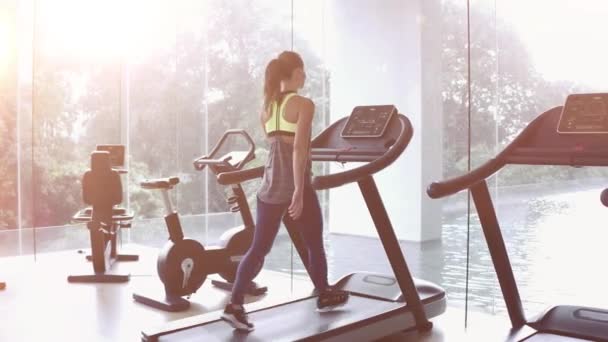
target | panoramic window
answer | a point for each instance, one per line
(9, 93)
(168, 79)
(550, 216)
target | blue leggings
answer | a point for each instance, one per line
(268, 221)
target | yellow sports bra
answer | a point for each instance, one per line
(276, 124)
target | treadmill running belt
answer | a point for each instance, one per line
(543, 337)
(290, 322)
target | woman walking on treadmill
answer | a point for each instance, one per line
(286, 190)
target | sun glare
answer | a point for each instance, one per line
(3, 45)
(566, 38)
(6, 46)
(80, 30)
(102, 31)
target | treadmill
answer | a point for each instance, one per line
(379, 305)
(573, 135)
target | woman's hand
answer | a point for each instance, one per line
(297, 204)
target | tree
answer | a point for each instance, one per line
(205, 80)
(506, 94)
(8, 119)
(8, 160)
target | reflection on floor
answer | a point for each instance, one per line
(40, 305)
(555, 238)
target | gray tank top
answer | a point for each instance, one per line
(277, 183)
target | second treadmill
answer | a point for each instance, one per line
(573, 135)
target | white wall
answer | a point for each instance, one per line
(378, 55)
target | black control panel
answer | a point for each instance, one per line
(117, 154)
(584, 114)
(368, 121)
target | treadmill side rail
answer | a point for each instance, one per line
(298, 321)
(385, 287)
(574, 321)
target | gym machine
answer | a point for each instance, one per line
(575, 134)
(102, 189)
(380, 304)
(183, 264)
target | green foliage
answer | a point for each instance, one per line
(207, 79)
(57, 192)
(506, 94)
(8, 154)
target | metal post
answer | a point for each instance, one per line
(383, 224)
(498, 252)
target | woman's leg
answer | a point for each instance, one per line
(310, 228)
(267, 225)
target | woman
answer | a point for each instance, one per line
(286, 191)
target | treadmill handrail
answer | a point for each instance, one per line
(453, 185)
(338, 179)
(240, 176)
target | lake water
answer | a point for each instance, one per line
(557, 241)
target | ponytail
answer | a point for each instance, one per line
(275, 73)
(277, 70)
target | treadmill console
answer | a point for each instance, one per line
(117, 154)
(584, 114)
(368, 121)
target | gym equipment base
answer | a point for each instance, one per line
(177, 304)
(104, 277)
(253, 289)
(120, 257)
(361, 319)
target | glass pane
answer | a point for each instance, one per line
(191, 80)
(395, 56)
(550, 216)
(22, 241)
(76, 105)
(9, 107)
(450, 260)
(309, 40)
(11, 237)
(153, 114)
(237, 56)
(485, 133)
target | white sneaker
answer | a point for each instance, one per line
(332, 299)
(235, 315)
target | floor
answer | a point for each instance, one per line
(39, 304)
(537, 224)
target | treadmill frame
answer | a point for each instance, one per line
(413, 302)
(538, 144)
(383, 225)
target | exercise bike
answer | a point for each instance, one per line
(102, 189)
(183, 264)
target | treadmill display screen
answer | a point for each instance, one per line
(368, 121)
(117, 154)
(584, 114)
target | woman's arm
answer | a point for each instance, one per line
(301, 145)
